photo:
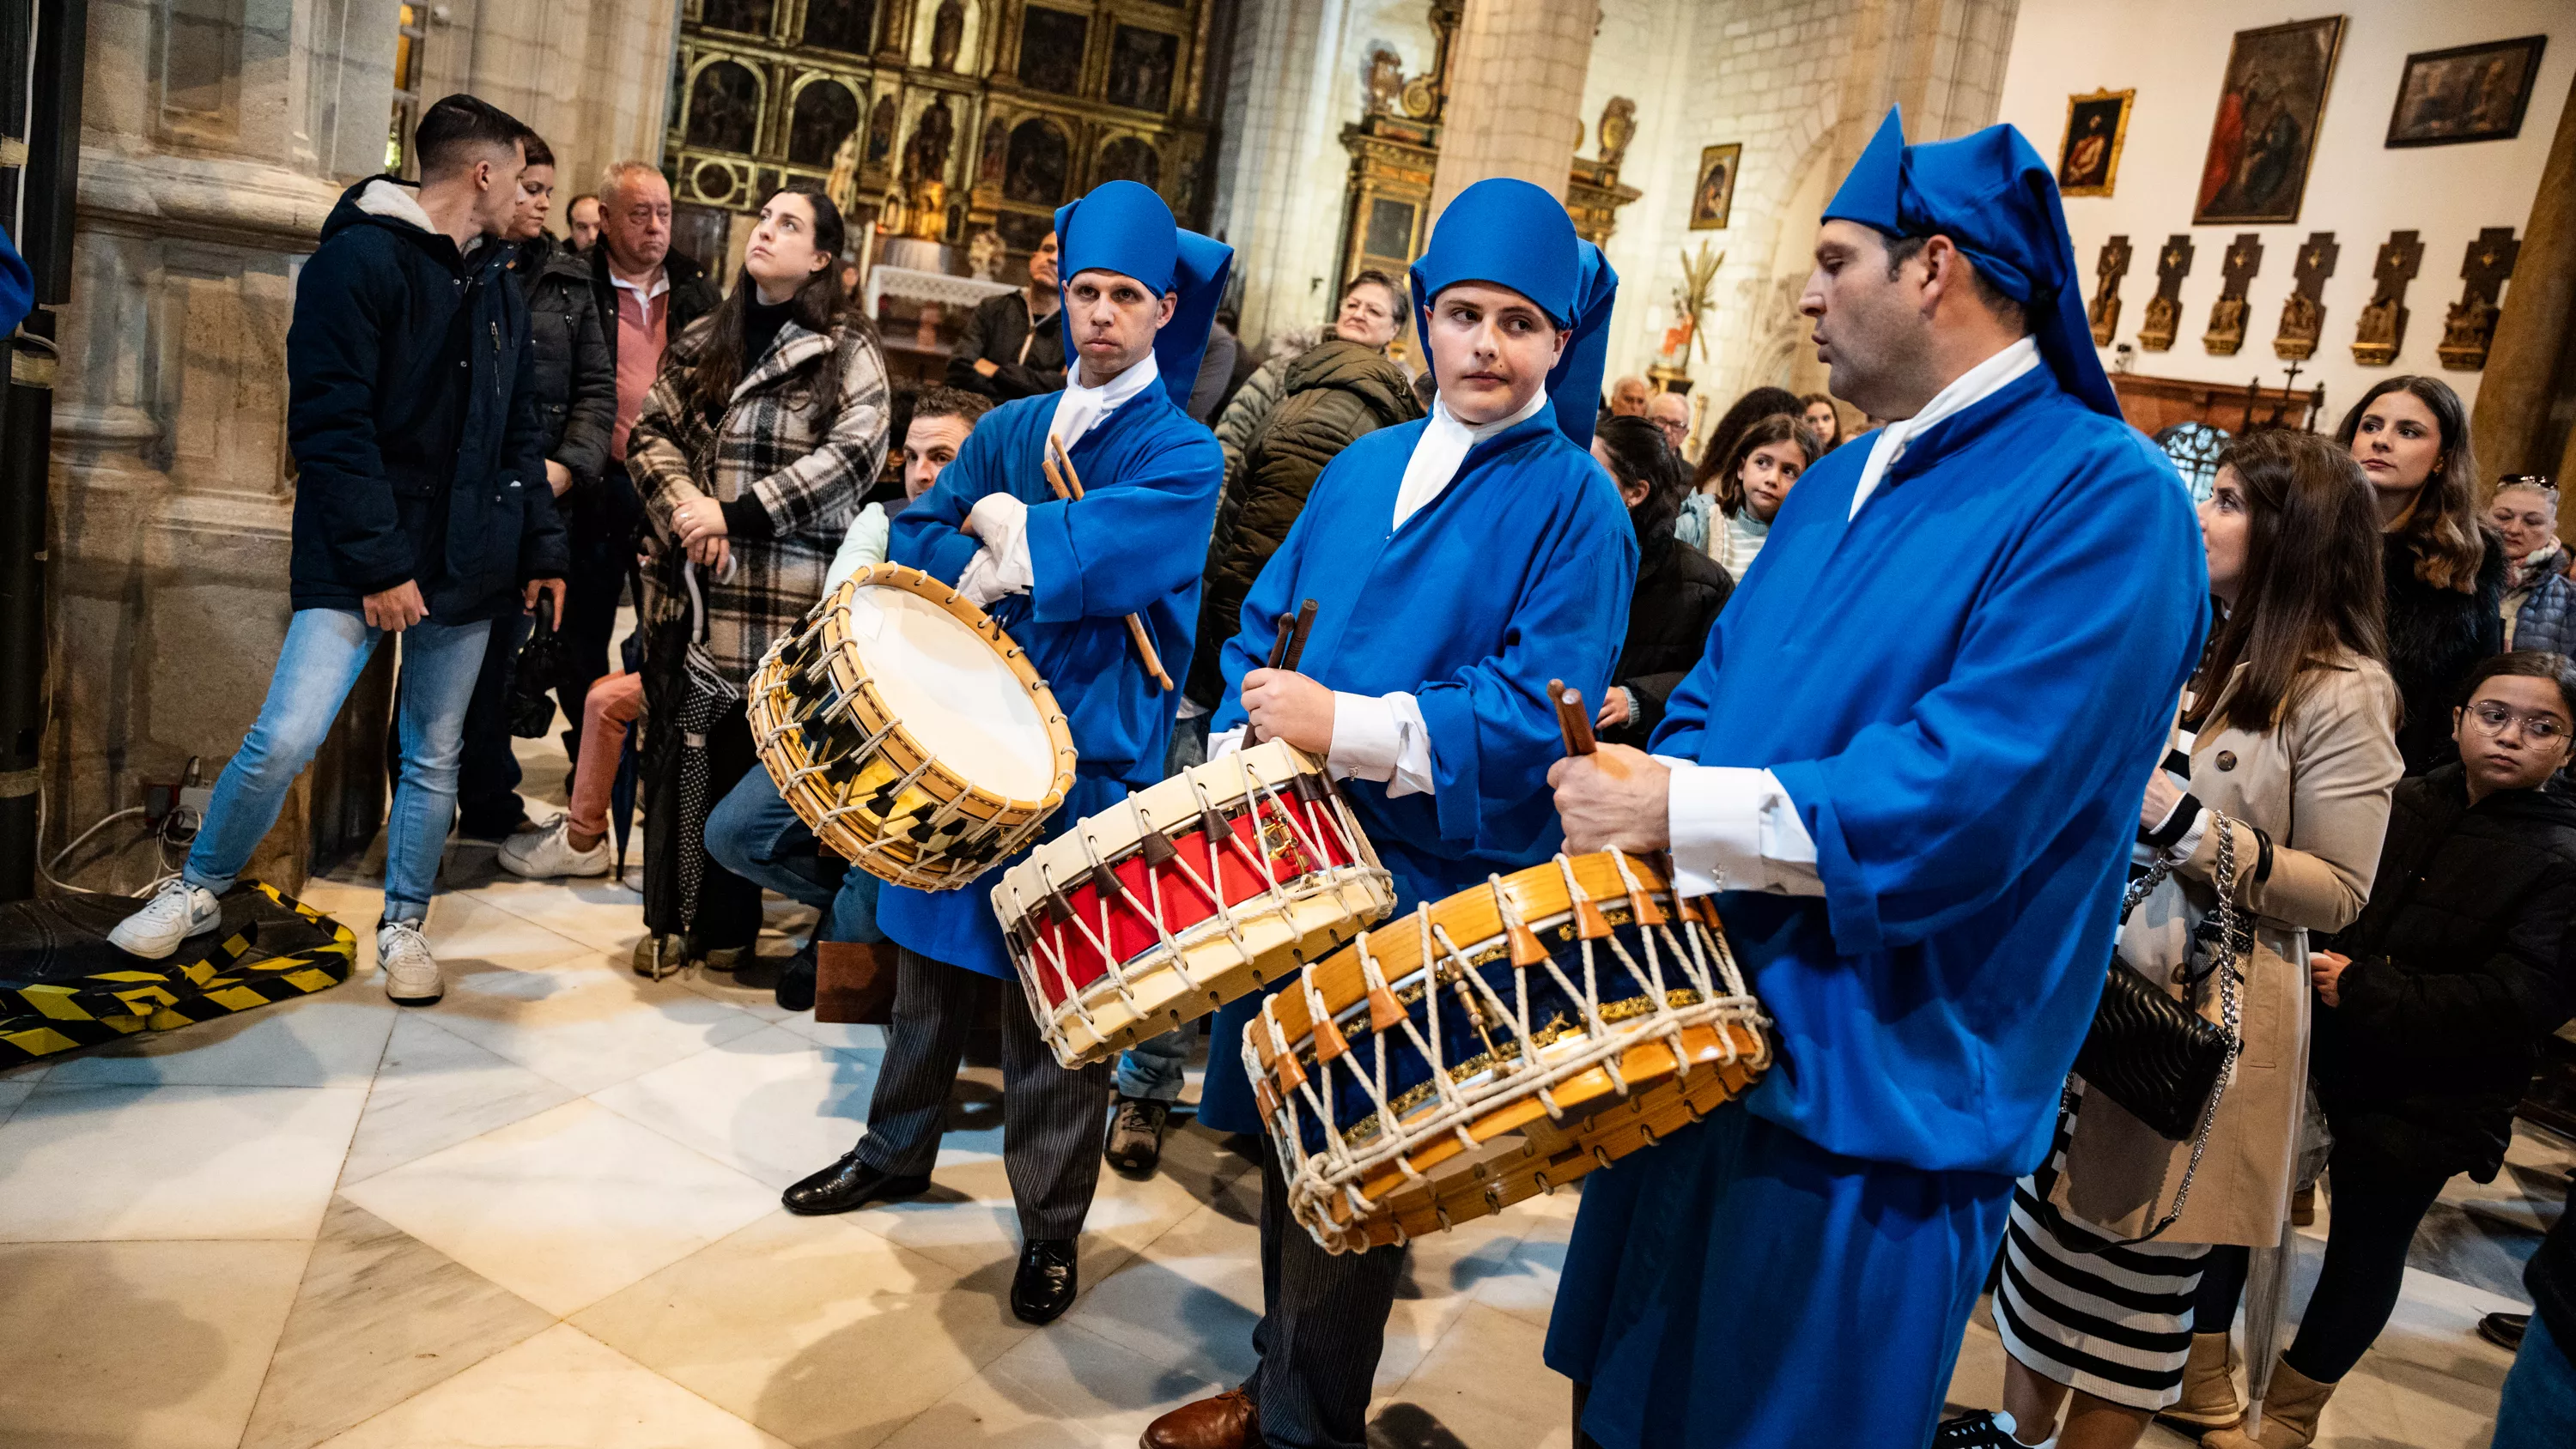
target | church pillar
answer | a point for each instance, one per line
(1515, 94)
(2525, 381)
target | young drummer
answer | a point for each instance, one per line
(1911, 759)
(1457, 564)
(1060, 578)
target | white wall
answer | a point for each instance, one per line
(2174, 54)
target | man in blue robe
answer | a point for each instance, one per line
(1457, 564)
(1060, 578)
(1911, 762)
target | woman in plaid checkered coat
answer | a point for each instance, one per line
(766, 426)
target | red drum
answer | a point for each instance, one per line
(1193, 892)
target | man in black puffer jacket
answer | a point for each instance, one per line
(421, 508)
(576, 386)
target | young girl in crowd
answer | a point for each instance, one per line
(2432, 1007)
(1823, 419)
(2291, 737)
(753, 450)
(1697, 507)
(2445, 571)
(2539, 600)
(1755, 481)
(1679, 588)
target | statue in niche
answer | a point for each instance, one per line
(947, 32)
(1385, 81)
(988, 171)
(843, 184)
(881, 130)
(1618, 128)
(925, 156)
(984, 255)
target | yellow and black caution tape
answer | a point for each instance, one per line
(41, 1019)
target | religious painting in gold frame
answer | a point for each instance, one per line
(2088, 159)
(2265, 133)
(1713, 193)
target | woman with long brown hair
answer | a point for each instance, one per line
(2289, 733)
(765, 428)
(2445, 568)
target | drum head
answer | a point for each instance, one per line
(952, 693)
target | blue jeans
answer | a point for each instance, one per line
(756, 835)
(2539, 1408)
(325, 649)
(1155, 1069)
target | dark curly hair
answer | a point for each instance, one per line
(1639, 453)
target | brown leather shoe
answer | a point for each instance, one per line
(1227, 1421)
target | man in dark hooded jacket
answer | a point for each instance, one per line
(421, 509)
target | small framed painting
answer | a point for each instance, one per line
(2469, 93)
(2088, 160)
(2265, 132)
(1713, 196)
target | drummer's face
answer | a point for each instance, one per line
(1111, 320)
(929, 445)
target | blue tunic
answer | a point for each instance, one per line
(1135, 544)
(1517, 573)
(1962, 691)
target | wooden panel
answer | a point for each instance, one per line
(2152, 404)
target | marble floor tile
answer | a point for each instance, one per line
(85, 1163)
(331, 1040)
(562, 1389)
(834, 1033)
(597, 912)
(379, 1317)
(812, 1328)
(1484, 1383)
(470, 928)
(584, 1020)
(565, 1207)
(968, 1221)
(143, 1345)
(11, 1094)
(1060, 1387)
(1524, 1285)
(436, 1089)
(1191, 1299)
(1441, 1274)
(771, 1104)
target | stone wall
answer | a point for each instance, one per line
(216, 137)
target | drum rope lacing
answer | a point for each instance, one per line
(1339, 1168)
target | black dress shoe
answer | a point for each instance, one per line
(794, 990)
(847, 1184)
(1044, 1287)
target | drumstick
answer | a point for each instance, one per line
(1068, 487)
(1297, 641)
(1571, 719)
(1280, 641)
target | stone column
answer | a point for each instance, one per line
(2512, 423)
(592, 76)
(1515, 94)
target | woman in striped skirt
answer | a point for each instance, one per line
(2292, 753)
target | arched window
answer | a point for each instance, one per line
(825, 113)
(841, 24)
(1131, 158)
(1035, 171)
(724, 107)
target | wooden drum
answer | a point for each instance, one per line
(908, 731)
(1191, 893)
(1499, 1043)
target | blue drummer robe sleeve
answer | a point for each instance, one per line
(1920, 823)
(925, 534)
(1124, 548)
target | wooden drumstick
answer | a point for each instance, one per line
(1571, 719)
(1297, 640)
(1280, 640)
(1068, 486)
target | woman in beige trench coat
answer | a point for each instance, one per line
(2293, 756)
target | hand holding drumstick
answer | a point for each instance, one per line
(1068, 486)
(1607, 795)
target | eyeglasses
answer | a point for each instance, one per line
(2540, 729)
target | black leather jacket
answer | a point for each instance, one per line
(576, 374)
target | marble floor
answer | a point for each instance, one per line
(544, 1212)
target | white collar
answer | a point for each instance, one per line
(1079, 409)
(1967, 389)
(1443, 448)
(661, 284)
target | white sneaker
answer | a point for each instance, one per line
(547, 852)
(176, 911)
(411, 973)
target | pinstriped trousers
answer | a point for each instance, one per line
(1052, 1118)
(1323, 1324)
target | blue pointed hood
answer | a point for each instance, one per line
(1513, 234)
(1991, 194)
(1124, 227)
